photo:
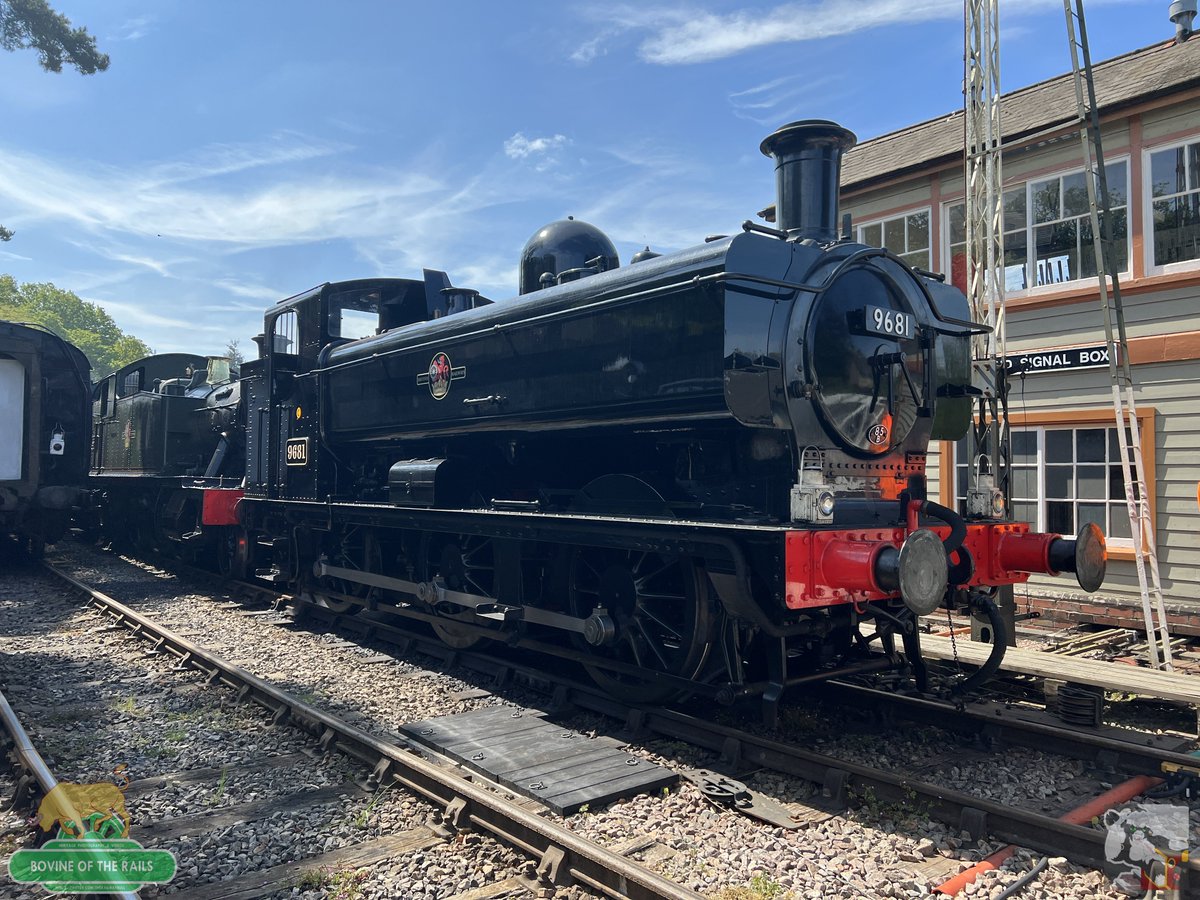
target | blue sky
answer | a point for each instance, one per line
(237, 153)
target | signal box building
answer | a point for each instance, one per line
(905, 192)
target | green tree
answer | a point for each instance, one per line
(32, 23)
(84, 324)
(234, 351)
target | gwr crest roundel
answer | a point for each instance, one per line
(439, 375)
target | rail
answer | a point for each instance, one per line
(840, 779)
(36, 771)
(559, 851)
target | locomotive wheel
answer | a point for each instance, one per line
(357, 549)
(662, 610)
(467, 566)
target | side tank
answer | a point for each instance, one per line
(153, 416)
(671, 340)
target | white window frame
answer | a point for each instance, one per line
(1117, 506)
(1148, 212)
(946, 263)
(1036, 290)
(882, 221)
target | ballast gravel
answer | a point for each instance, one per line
(874, 850)
(100, 708)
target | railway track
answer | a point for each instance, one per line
(462, 805)
(839, 778)
(34, 778)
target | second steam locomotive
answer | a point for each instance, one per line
(701, 472)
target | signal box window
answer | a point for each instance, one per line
(1062, 228)
(1175, 203)
(907, 236)
(1048, 231)
(1016, 254)
(1063, 478)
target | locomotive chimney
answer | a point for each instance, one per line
(808, 166)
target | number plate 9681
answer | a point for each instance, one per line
(891, 323)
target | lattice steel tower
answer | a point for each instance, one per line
(988, 445)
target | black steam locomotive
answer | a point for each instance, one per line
(167, 436)
(44, 388)
(704, 471)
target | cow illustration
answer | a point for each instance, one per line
(79, 808)
(1147, 842)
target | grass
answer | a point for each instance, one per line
(218, 793)
(129, 707)
(761, 887)
(62, 718)
(208, 713)
(312, 879)
(907, 811)
(364, 816)
(347, 884)
(339, 884)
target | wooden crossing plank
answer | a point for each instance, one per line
(513, 764)
(1144, 682)
(470, 694)
(222, 817)
(536, 758)
(263, 883)
(214, 774)
(509, 887)
(650, 779)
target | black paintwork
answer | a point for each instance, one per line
(565, 251)
(57, 388)
(162, 431)
(700, 373)
(807, 163)
(637, 423)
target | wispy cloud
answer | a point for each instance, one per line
(161, 203)
(701, 37)
(252, 291)
(232, 244)
(780, 99)
(152, 264)
(142, 318)
(518, 146)
(681, 36)
(132, 29)
(215, 160)
(593, 47)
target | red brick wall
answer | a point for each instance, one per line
(1112, 615)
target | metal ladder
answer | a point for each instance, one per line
(1129, 439)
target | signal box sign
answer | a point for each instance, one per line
(297, 451)
(1062, 359)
